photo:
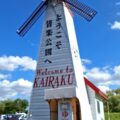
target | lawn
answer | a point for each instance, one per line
(112, 116)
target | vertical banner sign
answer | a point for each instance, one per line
(64, 111)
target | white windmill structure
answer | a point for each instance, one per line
(59, 91)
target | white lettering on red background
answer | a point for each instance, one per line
(54, 78)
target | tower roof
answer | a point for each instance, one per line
(96, 89)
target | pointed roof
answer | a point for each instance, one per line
(97, 90)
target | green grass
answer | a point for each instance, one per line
(113, 116)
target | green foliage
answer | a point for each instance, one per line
(112, 116)
(12, 106)
(113, 101)
(21, 105)
(2, 107)
(9, 106)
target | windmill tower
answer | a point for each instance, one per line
(59, 91)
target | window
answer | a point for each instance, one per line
(98, 106)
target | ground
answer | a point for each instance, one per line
(113, 116)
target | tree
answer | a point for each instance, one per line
(2, 107)
(12, 106)
(21, 105)
(113, 101)
(9, 106)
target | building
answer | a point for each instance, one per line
(59, 91)
(95, 97)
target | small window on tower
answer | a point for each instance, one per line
(98, 106)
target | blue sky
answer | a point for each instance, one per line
(98, 43)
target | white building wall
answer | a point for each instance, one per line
(99, 114)
(91, 97)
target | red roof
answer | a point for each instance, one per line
(97, 90)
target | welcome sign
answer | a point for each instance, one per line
(54, 78)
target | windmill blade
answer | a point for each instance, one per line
(32, 19)
(82, 14)
(81, 9)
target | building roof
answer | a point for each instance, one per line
(97, 90)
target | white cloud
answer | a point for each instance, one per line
(6, 91)
(117, 72)
(4, 76)
(114, 82)
(118, 13)
(21, 86)
(86, 61)
(14, 88)
(115, 25)
(9, 88)
(104, 88)
(10, 63)
(98, 74)
(104, 78)
(117, 3)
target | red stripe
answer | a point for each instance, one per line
(97, 90)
